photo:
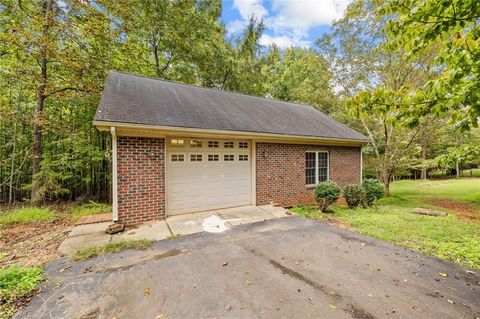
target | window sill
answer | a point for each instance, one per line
(313, 186)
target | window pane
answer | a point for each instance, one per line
(243, 157)
(310, 168)
(243, 144)
(322, 167)
(195, 143)
(228, 158)
(228, 144)
(177, 142)
(213, 157)
(195, 157)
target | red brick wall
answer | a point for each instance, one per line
(141, 179)
(280, 171)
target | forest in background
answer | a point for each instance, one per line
(411, 84)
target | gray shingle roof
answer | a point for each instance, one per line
(135, 99)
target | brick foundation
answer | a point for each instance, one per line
(141, 179)
(280, 171)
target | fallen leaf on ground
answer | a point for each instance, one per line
(225, 263)
(443, 274)
(146, 291)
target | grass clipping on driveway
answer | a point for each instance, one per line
(452, 237)
(113, 247)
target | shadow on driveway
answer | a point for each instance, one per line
(281, 268)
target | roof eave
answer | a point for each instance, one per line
(134, 129)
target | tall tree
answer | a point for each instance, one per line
(453, 26)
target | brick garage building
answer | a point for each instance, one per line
(180, 149)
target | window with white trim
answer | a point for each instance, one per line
(213, 144)
(195, 143)
(196, 157)
(243, 157)
(316, 167)
(228, 144)
(213, 157)
(228, 158)
(177, 158)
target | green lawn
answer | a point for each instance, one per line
(391, 219)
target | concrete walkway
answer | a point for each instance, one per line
(91, 235)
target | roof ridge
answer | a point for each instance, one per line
(218, 90)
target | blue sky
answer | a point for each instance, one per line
(287, 22)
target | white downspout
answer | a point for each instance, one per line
(361, 165)
(114, 175)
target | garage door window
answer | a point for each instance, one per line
(213, 144)
(316, 167)
(177, 158)
(195, 143)
(242, 144)
(213, 157)
(228, 158)
(177, 142)
(243, 157)
(196, 157)
(228, 144)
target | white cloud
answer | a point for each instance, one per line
(247, 8)
(289, 21)
(284, 41)
(298, 16)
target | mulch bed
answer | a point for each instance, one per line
(463, 211)
(33, 244)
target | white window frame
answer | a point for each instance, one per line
(316, 166)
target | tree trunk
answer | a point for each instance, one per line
(423, 170)
(386, 182)
(457, 169)
(41, 96)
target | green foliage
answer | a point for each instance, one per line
(451, 27)
(355, 195)
(459, 155)
(391, 219)
(16, 281)
(113, 247)
(374, 190)
(326, 193)
(91, 208)
(27, 215)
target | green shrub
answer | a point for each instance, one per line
(374, 190)
(27, 215)
(354, 195)
(326, 193)
(16, 281)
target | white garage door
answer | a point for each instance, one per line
(207, 174)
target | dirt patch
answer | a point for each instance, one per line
(33, 244)
(330, 220)
(464, 211)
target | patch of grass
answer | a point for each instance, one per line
(391, 220)
(173, 237)
(91, 208)
(113, 247)
(16, 282)
(27, 215)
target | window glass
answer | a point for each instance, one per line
(228, 157)
(243, 144)
(177, 142)
(213, 144)
(310, 168)
(177, 158)
(243, 157)
(228, 144)
(196, 143)
(322, 167)
(195, 157)
(213, 157)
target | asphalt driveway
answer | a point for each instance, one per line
(281, 268)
